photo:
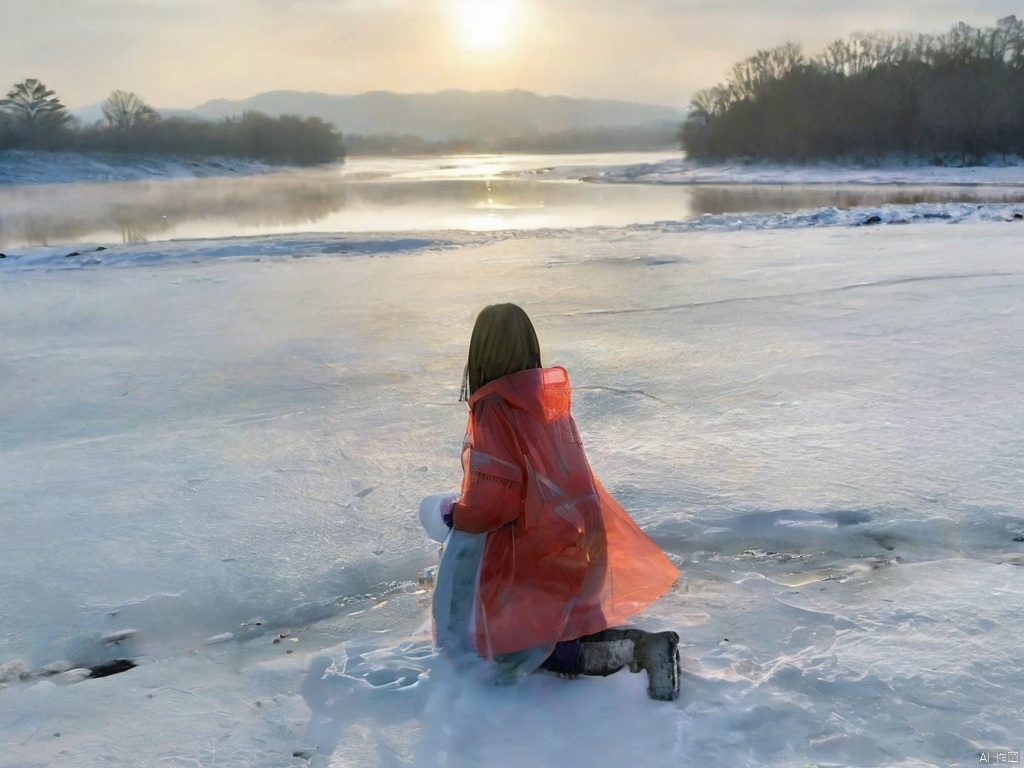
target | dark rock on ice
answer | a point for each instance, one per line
(115, 667)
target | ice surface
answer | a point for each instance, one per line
(212, 454)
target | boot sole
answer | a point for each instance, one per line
(666, 687)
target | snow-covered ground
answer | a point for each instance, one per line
(32, 167)
(681, 170)
(212, 451)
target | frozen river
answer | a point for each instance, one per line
(211, 452)
(475, 193)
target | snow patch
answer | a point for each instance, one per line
(53, 258)
(949, 213)
(19, 166)
(893, 171)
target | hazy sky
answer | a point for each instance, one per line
(179, 53)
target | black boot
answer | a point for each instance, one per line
(656, 652)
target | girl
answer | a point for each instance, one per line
(541, 561)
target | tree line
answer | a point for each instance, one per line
(33, 117)
(952, 97)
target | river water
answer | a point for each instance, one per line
(474, 193)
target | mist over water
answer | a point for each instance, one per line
(474, 193)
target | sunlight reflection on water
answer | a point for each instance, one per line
(475, 193)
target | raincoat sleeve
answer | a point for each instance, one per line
(493, 472)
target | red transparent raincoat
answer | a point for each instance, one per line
(562, 559)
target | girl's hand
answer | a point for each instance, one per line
(446, 510)
(436, 515)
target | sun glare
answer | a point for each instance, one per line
(484, 25)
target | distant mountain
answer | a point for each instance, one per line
(450, 114)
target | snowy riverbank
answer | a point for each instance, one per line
(29, 167)
(681, 170)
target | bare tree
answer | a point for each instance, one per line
(783, 59)
(1007, 41)
(748, 77)
(709, 103)
(125, 110)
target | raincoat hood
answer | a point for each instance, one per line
(544, 393)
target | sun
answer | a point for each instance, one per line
(484, 25)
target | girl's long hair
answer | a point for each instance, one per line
(503, 342)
